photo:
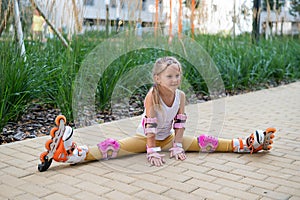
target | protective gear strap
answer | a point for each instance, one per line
(179, 121)
(153, 149)
(149, 125)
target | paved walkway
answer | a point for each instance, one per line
(271, 175)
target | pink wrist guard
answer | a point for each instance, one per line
(152, 153)
(179, 121)
(149, 125)
(177, 149)
(109, 145)
(153, 149)
(208, 143)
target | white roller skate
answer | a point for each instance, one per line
(259, 140)
(60, 147)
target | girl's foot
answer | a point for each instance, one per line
(259, 140)
(60, 147)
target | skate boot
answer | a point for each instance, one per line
(259, 140)
(60, 147)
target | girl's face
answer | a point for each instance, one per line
(170, 77)
(36, 12)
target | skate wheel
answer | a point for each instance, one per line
(48, 143)
(269, 147)
(273, 130)
(43, 156)
(45, 163)
(58, 118)
(271, 142)
(272, 136)
(52, 132)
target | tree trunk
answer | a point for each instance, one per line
(156, 17)
(170, 25)
(18, 27)
(6, 17)
(107, 19)
(77, 23)
(256, 21)
(180, 19)
(192, 19)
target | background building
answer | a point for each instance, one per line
(211, 16)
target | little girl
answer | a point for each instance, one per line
(161, 129)
(37, 26)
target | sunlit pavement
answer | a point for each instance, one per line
(265, 175)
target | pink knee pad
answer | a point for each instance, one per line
(109, 145)
(208, 143)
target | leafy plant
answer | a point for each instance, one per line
(16, 83)
(47, 76)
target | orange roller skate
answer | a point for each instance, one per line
(60, 147)
(257, 141)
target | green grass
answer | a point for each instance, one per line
(17, 83)
(47, 76)
(246, 66)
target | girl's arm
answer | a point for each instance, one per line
(179, 131)
(150, 114)
(177, 151)
(152, 153)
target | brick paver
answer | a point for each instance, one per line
(266, 175)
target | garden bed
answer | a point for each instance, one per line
(47, 77)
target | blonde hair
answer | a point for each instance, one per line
(160, 66)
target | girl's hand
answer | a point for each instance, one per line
(177, 151)
(156, 159)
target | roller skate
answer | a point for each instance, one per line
(60, 147)
(257, 141)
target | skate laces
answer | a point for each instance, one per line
(73, 147)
